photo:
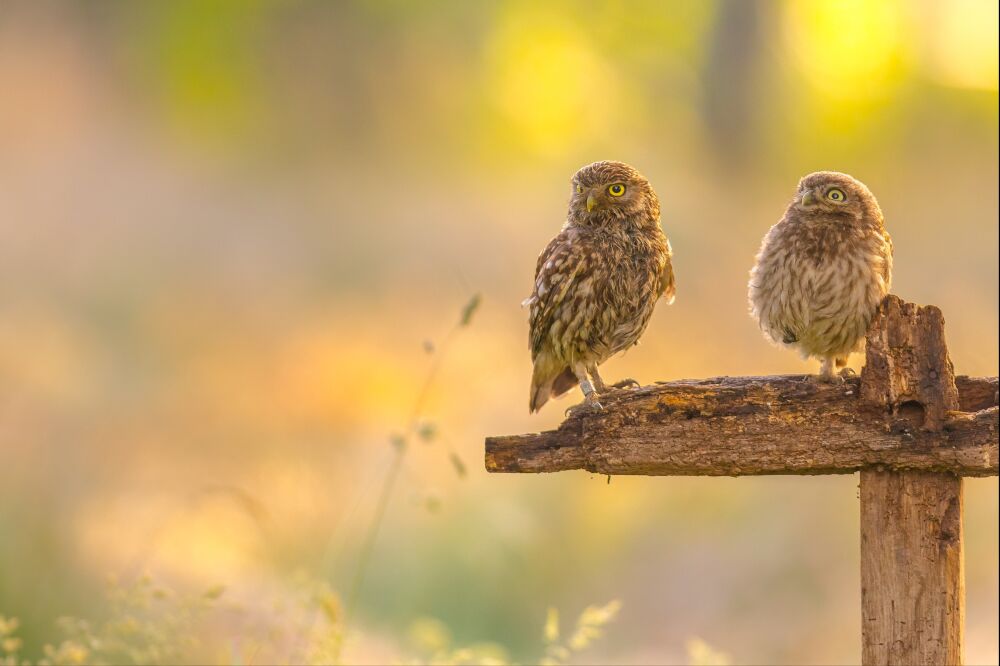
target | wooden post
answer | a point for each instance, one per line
(912, 580)
(912, 576)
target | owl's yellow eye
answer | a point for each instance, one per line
(579, 189)
(836, 195)
(616, 190)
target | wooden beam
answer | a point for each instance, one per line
(733, 426)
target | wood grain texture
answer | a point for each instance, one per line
(733, 426)
(912, 582)
(912, 578)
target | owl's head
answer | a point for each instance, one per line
(831, 193)
(608, 192)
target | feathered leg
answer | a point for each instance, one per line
(826, 372)
(604, 388)
(845, 372)
(590, 402)
(598, 382)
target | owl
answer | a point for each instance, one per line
(596, 282)
(823, 270)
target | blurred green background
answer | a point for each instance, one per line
(234, 237)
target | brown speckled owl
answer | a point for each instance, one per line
(597, 281)
(823, 270)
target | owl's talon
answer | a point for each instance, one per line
(846, 373)
(628, 382)
(826, 379)
(590, 405)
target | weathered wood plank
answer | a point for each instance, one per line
(733, 426)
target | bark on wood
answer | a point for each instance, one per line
(906, 360)
(912, 582)
(732, 426)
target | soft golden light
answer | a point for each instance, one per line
(963, 44)
(845, 48)
(545, 80)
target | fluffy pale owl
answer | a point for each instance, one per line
(596, 282)
(823, 270)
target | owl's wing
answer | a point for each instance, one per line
(887, 264)
(667, 285)
(560, 265)
(545, 254)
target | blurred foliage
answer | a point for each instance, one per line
(589, 626)
(701, 653)
(150, 624)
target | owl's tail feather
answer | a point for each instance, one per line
(563, 383)
(545, 385)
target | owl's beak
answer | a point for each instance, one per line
(809, 199)
(591, 202)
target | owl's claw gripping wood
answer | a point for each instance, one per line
(628, 382)
(589, 405)
(827, 375)
(826, 379)
(597, 282)
(604, 388)
(822, 270)
(598, 381)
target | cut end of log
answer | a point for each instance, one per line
(536, 452)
